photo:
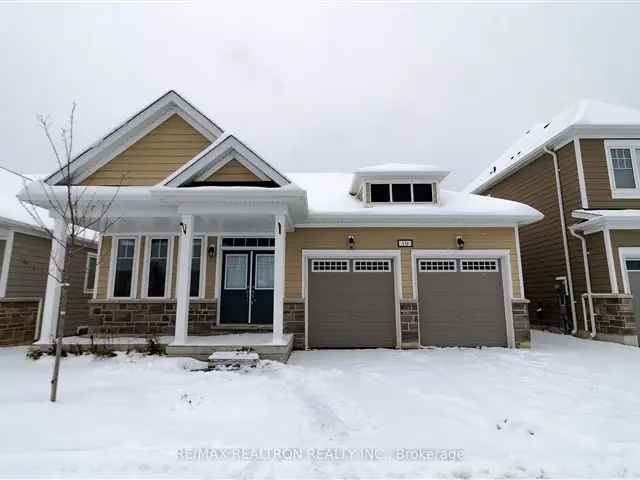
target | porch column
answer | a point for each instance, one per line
(49, 323)
(278, 280)
(183, 279)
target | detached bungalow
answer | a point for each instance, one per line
(216, 248)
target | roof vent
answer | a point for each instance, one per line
(493, 170)
(549, 123)
(519, 152)
(527, 132)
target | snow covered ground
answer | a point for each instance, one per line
(568, 407)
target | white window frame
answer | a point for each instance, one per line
(383, 261)
(624, 254)
(147, 260)
(632, 145)
(6, 261)
(247, 278)
(255, 281)
(112, 265)
(443, 260)
(89, 291)
(495, 262)
(400, 182)
(314, 269)
(204, 253)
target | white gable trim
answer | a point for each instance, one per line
(134, 129)
(233, 155)
(212, 158)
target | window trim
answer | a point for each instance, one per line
(397, 182)
(147, 260)
(632, 145)
(424, 268)
(203, 265)
(88, 291)
(115, 239)
(332, 269)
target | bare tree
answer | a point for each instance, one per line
(85, 215)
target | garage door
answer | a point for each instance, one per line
(351, 303)
(461, 302)
(633, 270)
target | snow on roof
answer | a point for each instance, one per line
(413, 171)
(627, 212)
(585, 113)
(399, 168)
(11, 209)
(328, 200)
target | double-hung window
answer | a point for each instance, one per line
(623, 159)
(124, 263)
(158, 267)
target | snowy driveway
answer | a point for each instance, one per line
(568, 407)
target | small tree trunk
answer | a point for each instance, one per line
(59, 336)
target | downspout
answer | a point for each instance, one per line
(565, 244)
(587, 276)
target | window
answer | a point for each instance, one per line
(623, 160)
(479, 265)
(90, 273)
(123, 279)
(329, 266)
(422, 192)
(247, 242)
(622, 168)
(372, 265)
(401, 192)
(196, 268)
(264, 272)
(380, 193)
(158, 267)
(437, 265)
(633, 265)
(235, 271)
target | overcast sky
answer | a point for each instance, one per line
(329, 87)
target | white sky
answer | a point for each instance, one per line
(327, 87)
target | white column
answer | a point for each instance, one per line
(49, 324)
(278, 280)
(183, 279)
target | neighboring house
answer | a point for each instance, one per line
(25, 250)
(581, 169)
(212, 239)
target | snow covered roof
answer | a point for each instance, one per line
(586, 116)
(329, 202)
(397, 172)
(12, 212)
(596, 220)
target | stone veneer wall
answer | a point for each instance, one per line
(18, 321)
(149, 317)
(294, 321)
(409, 332)
(521, 327)
(614, 314)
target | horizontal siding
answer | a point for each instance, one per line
(233, 171)
(596, 173)
(77, 306)
(386, 239)
(598, 266)
(103, 267)
(152, 158)
(28, 270)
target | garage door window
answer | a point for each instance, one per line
(437, 265)
(479, 265)
(371, 265)
(318, 266)
(633, 265)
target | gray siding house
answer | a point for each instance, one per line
(25, 250)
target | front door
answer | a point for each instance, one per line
(247, 287)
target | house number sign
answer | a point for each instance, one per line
(405, 243)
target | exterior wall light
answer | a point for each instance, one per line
(459, 242)
(351, 242)
(211, 251)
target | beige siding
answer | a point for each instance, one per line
(385, 239)
(104, 263)
(233, 171)
(152, 158)
(76, 305)
(140, 245)
(596, 175)
(29, 266)
(622, 238)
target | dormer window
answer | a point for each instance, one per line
(401, 193)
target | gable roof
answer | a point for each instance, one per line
(132, 130)
(218, 154)
(586, 117)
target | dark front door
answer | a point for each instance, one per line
(247, 287)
